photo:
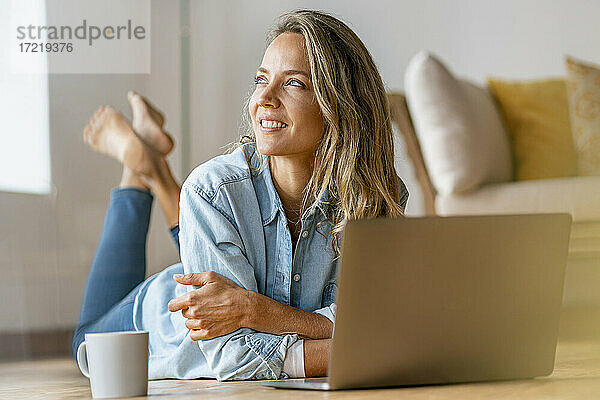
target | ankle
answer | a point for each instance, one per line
(159, 177)
(130, 179)
(166, 190)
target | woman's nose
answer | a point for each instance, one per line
(269, 97)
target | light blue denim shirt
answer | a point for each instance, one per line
(232, 222)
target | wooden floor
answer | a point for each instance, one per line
(576, 376)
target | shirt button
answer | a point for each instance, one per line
(296, 277)
(304, 234)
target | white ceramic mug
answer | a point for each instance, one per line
(116, 363)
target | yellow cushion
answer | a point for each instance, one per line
(536, 114)
(583, 87)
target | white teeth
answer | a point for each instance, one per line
(272, 124)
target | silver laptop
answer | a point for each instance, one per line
(438, 300)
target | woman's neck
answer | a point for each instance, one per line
(290, 177)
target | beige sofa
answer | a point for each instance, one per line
(579, 196)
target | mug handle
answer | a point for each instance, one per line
(82, 359)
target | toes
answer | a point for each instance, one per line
(136, 98)
(88, 134)
(143, 106)
(105, 110)
(95, 117)
(133, 97)
(97, 114)
(139, 104)
(98, 117)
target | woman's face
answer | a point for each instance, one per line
(286, 117)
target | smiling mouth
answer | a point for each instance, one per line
(271, 125)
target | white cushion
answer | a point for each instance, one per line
(579, 196)
(461, 133)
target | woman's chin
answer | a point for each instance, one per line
(268, 148)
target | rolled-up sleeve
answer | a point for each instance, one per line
(328, 312)
(211, 242)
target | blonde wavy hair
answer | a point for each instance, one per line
(355, 158)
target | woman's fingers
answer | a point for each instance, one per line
(175, 305)
(211, 330)
(191, 323)
(181, 302)
(194, 297)
(202, 278)
(200, 334)
(190, 302)
(197, 278)
(192, 312)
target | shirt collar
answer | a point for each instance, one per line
(269, 202)
(268, 198)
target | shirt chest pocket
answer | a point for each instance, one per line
(329, 294)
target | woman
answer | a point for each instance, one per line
(260, 227)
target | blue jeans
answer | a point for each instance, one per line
(119, 266)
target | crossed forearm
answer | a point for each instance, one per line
(316, 357)
(270, 316)
(220, 307)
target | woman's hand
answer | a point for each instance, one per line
(219, 307)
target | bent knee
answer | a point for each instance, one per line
(78, 337)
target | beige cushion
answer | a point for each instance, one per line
(579, 196)
(462, 136)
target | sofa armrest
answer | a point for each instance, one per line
(401, 117)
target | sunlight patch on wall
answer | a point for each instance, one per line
(24, 121)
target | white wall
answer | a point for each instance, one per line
(518, 39)
(47, 243)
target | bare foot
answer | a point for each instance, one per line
(148, 123)
(108, 132)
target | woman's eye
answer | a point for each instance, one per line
(295, 82)
(259, 80)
